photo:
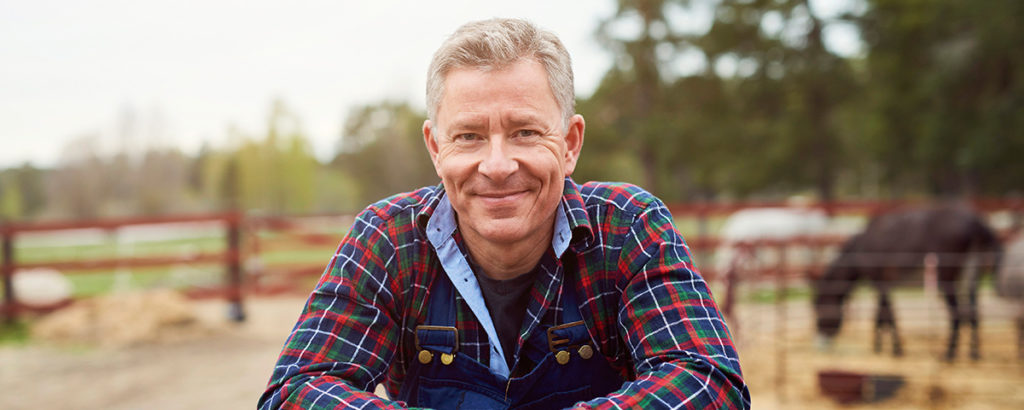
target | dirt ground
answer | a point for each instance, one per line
(226, 365)
(781, 366)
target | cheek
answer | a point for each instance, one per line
(455, 170)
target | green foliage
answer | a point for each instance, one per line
(274, 174)
(384, 152)
(944, 106)
(11, 201)
(17, 333)
(768, 125)
(762, 107)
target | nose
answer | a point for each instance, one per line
(498, 163)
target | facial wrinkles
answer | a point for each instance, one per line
(500, 139)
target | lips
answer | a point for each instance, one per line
(500, 199)
(501, 196)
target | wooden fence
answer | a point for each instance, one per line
(238, 226)
(230, 257)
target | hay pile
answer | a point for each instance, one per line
(122, 319)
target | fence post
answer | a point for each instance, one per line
(236, 311)
(10, 307)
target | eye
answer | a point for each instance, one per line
(527, 133)
(466, 137)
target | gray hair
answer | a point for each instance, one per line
(498, 43)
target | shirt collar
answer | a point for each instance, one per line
(571, 219)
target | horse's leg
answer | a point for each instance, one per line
(887, 318)
(879, 323)
(1020, 330)
(1020, 337)
(972, 315)
(947, 285)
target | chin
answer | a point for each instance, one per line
(503, 230)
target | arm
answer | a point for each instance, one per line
(681, 348)
(345, 337)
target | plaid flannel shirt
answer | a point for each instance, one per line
(648, 310)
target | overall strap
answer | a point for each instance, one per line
(570, 309)
(570, 273)
(439, 334)
(572, 333)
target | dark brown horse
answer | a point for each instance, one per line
(891, 250)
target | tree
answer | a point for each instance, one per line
(79, 185)
(382, 148)
(768, 123)
(945, 108)
(276, 173)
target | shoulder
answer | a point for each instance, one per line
(406, 204)
(619, 197)
(396, 216)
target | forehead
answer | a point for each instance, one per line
(521, 87)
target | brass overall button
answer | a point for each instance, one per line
(586, 352)
(425, 356)
(562, 356)
(447, 358)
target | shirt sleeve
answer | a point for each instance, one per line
(681, 348)
(345, 337)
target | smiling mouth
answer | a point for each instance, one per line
(498, 198)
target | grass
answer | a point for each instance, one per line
(769, 295)
(29, 254)
(16, 333)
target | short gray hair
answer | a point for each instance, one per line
(498, 43)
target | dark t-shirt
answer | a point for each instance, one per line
(507, 301)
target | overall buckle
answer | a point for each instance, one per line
(425, 356)
(561, 346)
(554, 342)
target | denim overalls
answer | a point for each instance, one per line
(567, 369)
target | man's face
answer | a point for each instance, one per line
(502, 152)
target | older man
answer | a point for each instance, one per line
(509, 285)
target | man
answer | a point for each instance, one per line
(509, 285)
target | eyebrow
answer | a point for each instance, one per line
(468, 122)
(518, 120)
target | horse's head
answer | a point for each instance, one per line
(831, 289)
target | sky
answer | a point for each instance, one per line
(158, 73)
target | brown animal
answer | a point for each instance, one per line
(891, 250)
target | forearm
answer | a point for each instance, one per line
(340, 348)
(321, 366)
(313, 390)
(692, 383)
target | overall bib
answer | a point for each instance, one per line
(567, 369)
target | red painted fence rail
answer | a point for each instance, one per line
(230, 257)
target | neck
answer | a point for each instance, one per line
(503, 261)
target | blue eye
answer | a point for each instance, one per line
(466, 137)
(527, 133)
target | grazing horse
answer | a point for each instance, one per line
(891, 250)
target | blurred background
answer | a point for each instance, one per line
(220, 148)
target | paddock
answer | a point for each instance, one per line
(225, 364)
(780, 359)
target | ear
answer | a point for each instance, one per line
(574, 142)
(431, 141)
